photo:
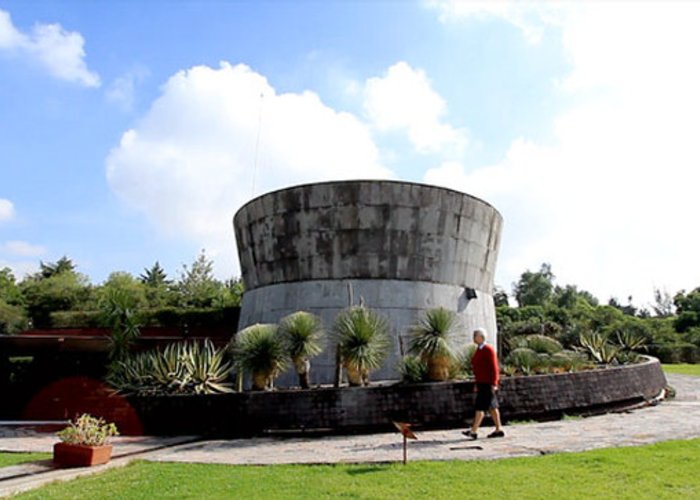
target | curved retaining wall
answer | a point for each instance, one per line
(372, 409)
(401, 247)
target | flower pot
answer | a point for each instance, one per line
(80, 455)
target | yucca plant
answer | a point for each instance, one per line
(431, 340)
(180, 368)
(302, 335)
(259, 351)
(363, 342)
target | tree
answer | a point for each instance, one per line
(534, 288)
(159, 289)
(9, 291)
(62, 265)
(663, 306)
(61, 291)
(570, 296)
(500, 297)
(197, 285)
(124, 284)
(688, 310)
(155, 276)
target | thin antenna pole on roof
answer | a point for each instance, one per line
(257, 144)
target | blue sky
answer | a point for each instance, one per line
(128, 129)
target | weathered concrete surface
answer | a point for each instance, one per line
(400, 302)
(368, 229)
(402, 247)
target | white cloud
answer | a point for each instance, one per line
(403, 99)
(190, 162)
(611, 201)
(121, 91)
(531, 18)
(60, 52)
(18, 248)
(7, 210)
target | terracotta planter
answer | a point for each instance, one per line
(80, 455)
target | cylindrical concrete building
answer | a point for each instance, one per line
(399, 247)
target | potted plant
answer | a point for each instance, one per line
(431, 340)
(258, 350)
(302, 334)
(85, 442)
(363, 341)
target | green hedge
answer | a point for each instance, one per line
(171, 317)
(681, 352)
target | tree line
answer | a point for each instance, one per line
(57, 294)
(670, 326)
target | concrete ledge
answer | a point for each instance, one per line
(436, 405)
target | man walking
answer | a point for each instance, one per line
(485, 367)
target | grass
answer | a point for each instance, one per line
(663, 470)
(7, 459)
(683, 369)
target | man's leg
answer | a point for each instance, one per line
(496, 416)
(478, 418)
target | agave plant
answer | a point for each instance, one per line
(258, 350)
(302, 335)
(363, 342)
(431, 339)
(631, 341)
(180, 368)
(598, 347)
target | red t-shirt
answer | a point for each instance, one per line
(485, 365)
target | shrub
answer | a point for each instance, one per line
(464, 360)
(88, 430)
(525, 360)
(543, 344)
(413, 369)
(362, 338)
(302, 335)
(431, 340)
(259, 351)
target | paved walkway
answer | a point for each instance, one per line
(678, 418)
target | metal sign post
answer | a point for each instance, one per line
(405, 430)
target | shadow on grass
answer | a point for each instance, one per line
(367, 469)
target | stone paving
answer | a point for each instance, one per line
(678, 418)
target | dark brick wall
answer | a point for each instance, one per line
(434, 405)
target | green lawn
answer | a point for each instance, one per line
(683, 369)
(18, 458)
(665, 470)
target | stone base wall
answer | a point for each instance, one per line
(372, 409)
(400, 302)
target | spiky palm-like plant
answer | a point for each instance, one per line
(363, 342)
(431, 339)
(302, 335)
(180, 368)
(258, 350)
